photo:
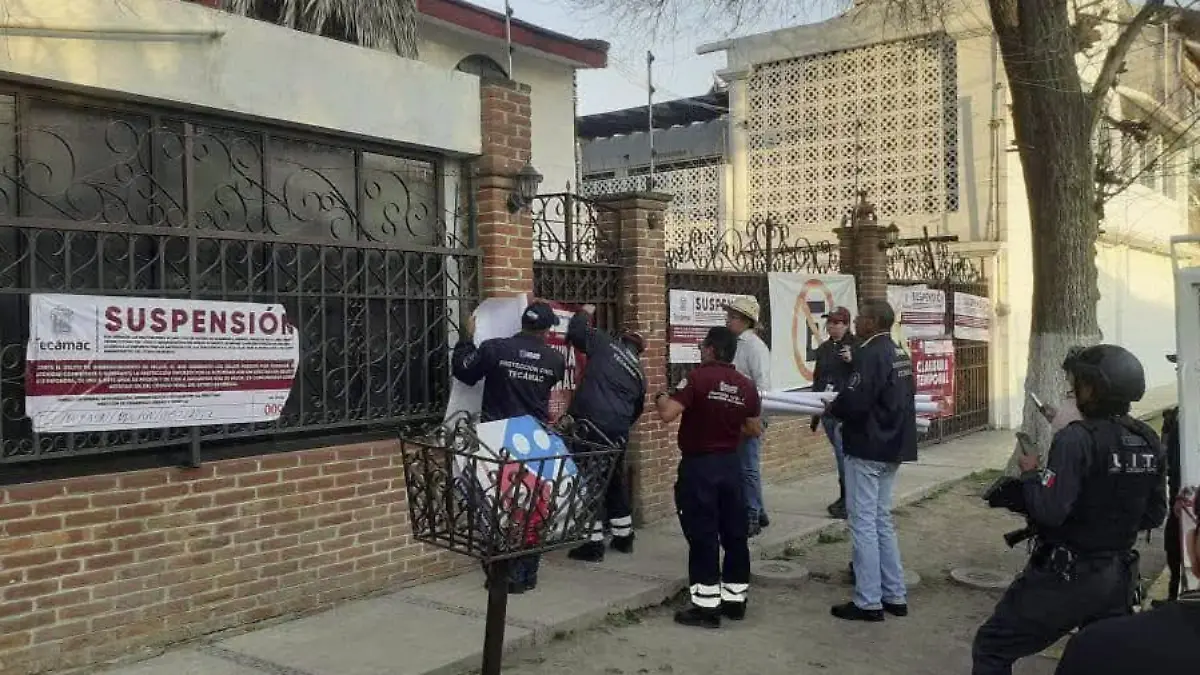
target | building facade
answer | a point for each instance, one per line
(917, 115)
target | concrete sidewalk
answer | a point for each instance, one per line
(438, 627)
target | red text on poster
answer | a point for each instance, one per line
(933, 372)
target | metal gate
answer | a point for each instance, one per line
(576, 245)
(107, 198)
(738, 262)
(931, 262)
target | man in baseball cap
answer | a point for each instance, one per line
(831, 372)
(611, 396)
(753, 359)
(518, 373)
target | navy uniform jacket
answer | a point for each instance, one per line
(613, 391)
(1103, 483)
(877, 407)
(520, 370)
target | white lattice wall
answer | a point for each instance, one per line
(697, 202)
(896, 101)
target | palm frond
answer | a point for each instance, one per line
(389, 25)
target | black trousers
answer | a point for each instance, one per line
(712, 512)
(1039, 608)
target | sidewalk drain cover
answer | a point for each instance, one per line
(777, 573)
(988, 580)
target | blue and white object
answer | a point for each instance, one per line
(526, 439)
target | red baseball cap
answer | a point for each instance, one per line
(839, 314)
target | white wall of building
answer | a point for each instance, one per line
(1137, 307)
(244, 67)
(551, 100)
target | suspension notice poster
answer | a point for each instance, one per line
(933, 372)
(691, 314)
(560, 396)
(96, 363)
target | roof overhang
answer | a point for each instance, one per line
(466, 17)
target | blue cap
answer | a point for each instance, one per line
(539, 316)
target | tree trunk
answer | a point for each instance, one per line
(1052, 121)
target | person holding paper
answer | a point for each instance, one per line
(717, 407)
(611, 396)
(834, 364)
(878, 410)
(519, 373)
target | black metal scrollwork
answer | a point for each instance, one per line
(572, 229)
(351, 240)
(931, 261)
(764, 246)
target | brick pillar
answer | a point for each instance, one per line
(861, 251)
(506, 238)
(638, 216)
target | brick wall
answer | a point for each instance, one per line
(791, 451)
(506, 238)
(92, 568)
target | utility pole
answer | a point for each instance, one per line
(508, 15)
(650, 115)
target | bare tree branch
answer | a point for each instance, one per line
(1117, 53)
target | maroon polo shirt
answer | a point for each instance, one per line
(717, 400)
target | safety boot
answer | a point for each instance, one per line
(623, 544)
(733, 610)
(701, 617)
(592, 551)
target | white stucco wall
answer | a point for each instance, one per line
(1137, 307)
(551, 98)
(249, 67)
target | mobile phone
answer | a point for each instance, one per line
(1037, 402)
(1027, 447)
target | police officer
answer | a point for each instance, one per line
(719, 407)
(834, 364)
(1162, 640)
(1102, 484)
(520, 372)
(611, 396)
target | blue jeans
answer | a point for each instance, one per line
(878, 574)
(833, 429)
(750, 453)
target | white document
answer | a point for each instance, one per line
(494, 318)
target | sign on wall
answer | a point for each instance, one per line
(922, 312)
(933, 372)
(691, 314)
(96, 363)
(972, 317)
(797, 303)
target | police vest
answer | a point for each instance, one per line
(1126, 462)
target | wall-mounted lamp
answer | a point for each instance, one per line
(528, 179)
(891, 237)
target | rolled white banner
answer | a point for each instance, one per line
(927, 407)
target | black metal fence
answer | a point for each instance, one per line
(352, 239)
(932, 263)
(576, 246)
(738, 262)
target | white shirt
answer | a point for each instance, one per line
(753, 359)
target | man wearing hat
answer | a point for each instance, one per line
(832, 370)
(520, 372)
(611, 396)
(753, 359)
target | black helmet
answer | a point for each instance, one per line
(1115, 371)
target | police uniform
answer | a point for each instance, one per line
(709, 490)
(520, 373)
(1102, 484)
(611, 397)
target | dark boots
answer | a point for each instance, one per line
(593, 551)
(701, 617)
(838, 508)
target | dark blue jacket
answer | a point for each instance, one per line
(877, 407)
(613, 391)
(520, 370)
